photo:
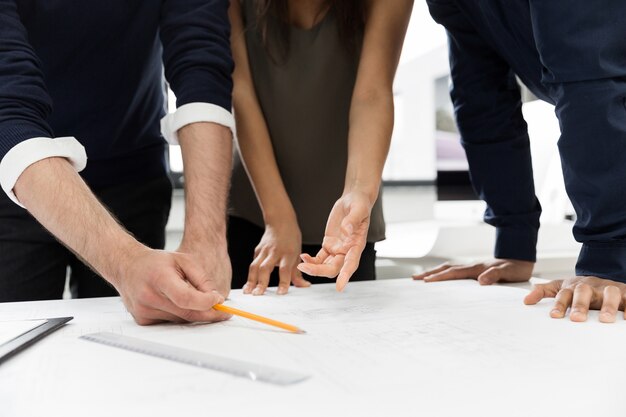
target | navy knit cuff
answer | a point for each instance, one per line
(603, 260)
(520, 244)
(12, 133)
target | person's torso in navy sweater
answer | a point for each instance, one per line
(102, 66)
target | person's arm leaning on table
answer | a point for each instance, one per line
(371, 125)
(599, 271)
(40, 173)
(488, 110)
(198, 65)
(586, 72)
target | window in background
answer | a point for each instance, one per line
(453, 181)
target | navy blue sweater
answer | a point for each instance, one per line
(94, 70)
(573, 56)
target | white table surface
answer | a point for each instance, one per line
(393, 347)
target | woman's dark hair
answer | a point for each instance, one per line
(350, 15)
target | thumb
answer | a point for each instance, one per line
(354, 219)
(490, 276)
(349, 224)
(298, 281)
(541, 291)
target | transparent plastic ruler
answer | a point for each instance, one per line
(248, 370)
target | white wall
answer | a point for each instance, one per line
(424, 58)
(413, 152)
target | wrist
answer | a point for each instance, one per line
(280, 214)
(206, 230)
(121, 260)
(193, 242)
(368, 191)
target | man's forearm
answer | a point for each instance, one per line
(207, 156)
(60, 200)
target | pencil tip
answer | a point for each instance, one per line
(300, 331)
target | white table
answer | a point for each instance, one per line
(393, 347)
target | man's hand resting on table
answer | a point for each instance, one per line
(486, 273)
(159, 286)
(582, 294)
(579, 293)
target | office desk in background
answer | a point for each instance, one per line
(393, 347)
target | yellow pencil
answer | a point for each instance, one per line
(237, 312)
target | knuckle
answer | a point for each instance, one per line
(140, 314)
(142, 321)
(254, 267)
(187, 315)
(566, 291)
(144, 293)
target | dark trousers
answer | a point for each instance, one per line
(244, 236)
(33, 264)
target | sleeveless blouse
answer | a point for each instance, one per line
(305, 99)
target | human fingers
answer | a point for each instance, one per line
(611, 299)
(186, 297)
(580, 303)
(298, 280)
(350, 265)
(213, 273)
(492, 275)
(146, 316)
(158, 308)
(195, 316)
(435, 270)
(329, 269)
(253, 273)
(319, 258)
(541, 291)
(265, 271)
(456, 272)
(562, 301)
(284, 277)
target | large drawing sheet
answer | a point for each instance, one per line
(394, 347)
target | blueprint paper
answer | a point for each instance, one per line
(394, 347)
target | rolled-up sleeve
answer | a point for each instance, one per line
(198, 62)
(494, 134)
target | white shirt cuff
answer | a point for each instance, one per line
(195, 113)
(26, 153)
